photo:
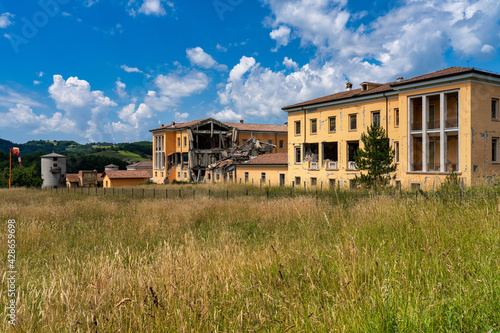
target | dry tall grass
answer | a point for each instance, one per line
(381, 264)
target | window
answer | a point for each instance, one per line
(178, 142)
(185, 175)
(314, 126)
(162, 174)
(494, 109)
(270, 142)
(494, 150)
(396, 117)
(332, 183)
(263, 177)
(314, 181)
(156, 173)
(282, 144)
(376, 118)
(244, 142)
(246, 177)
(297, 154)
(217, 176)
(297, 181)
(415, 186)
(185, 141)
(396, 150)
(159, 152)
(332, 124)
(352, 122)
(297, 127)
(179, 174)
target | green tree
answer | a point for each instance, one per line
(376, 157)
(22, 176)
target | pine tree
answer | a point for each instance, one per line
(376, 157)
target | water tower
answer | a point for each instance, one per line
(53, 170)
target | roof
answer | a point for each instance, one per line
(72, 178)
(125, 174)
(239, 126)
(53, 155)
(141, 164)
(111, 166)
(180, 125)
(259, 127)
(268, 159)
(452, 71)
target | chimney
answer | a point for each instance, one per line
(162, 125)
(286, 123)
(399, 79)
(348, 86)
(173, 124)
(241, 121)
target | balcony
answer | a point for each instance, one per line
(417, 126)
(313, 165)
(451, 123)
(332, 165)
(351, 165)
(55, 169)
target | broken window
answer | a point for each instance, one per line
(178, 142)
(263, 177)
(332, 124)
(314, 181)
(330, 154)
(494, 109)
(494, 150)
(311, 152)
(376, 118)
(352, 150)
(353, 122)
(297, 155)
(246, 177)
(270, 142)
(314, 126)
(185, 141)
(297, 127)
(282, 144)
(396, 151)
(332, 183)
(297, 181)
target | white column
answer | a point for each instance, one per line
(442, 136)
(410, 137)
(425, 143)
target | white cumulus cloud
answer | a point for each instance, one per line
(281, 36)
(5, 19)
(202, 59)
(176, 85)
(227, 114)
(22, 116)
(130, 69)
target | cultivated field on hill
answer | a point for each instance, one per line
(376, 264)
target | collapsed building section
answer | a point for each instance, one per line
(186, 151)
(224, 168)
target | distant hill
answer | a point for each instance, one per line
(133, 152)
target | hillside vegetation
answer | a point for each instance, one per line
(378, 264)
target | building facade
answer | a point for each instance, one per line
(184, 151)
(438, 123)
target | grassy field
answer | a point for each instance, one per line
(123, 155)
(378, 264)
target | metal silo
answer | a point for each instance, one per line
(53, 170)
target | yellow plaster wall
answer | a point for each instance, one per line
(255, 173)
(107, 183)
(483, 130)
(342, 136)
(265, 137)
(429, 180)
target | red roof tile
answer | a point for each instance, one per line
(384, 87)
(125, 174)
(259, 127)
(72, 177)
(141, 164)
(268, 159)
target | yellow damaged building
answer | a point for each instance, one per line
(184, 151)
(438, 123)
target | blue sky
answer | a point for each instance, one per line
(96, 70)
